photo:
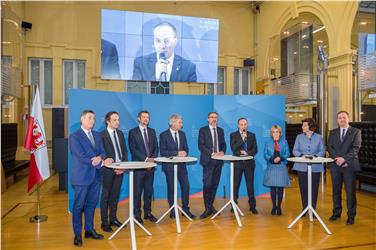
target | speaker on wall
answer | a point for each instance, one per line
(249, 62)
(26, 25)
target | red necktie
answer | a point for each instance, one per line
(276, 147)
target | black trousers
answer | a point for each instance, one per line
(184, 186)
(249, 172)
(303, 185)
(211, 178)
(143, 183)
(344, 175)
(111, 184)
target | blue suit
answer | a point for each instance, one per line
(85, 178)
(182, 70)
(143, 179)
(169, 148)
(212, 168)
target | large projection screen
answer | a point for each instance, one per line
(158, 47)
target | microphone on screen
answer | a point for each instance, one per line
(163, 76)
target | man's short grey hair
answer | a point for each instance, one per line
(166, 24)
(174, 118)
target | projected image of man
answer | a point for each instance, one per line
(164, 64)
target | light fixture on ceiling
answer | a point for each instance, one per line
(319, 29)
(319, 41)
(363, 23)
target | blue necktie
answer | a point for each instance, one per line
(91, 138)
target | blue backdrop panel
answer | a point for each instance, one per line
(261, 111)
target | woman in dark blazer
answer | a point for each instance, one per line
(276, 177)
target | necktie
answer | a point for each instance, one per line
(215, 146)
(91, 138)
(245, 146)
(117, 147)
(146, 142)
(343, 134)
(176, 139)
(276, 146)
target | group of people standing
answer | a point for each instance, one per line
(92, 151)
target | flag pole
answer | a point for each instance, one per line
(38, 218)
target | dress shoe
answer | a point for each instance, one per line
(150, 217)
(350, 220)
(190, 215)
(93, 234)
(214, 211)
(172, 214)
(77, 240)
(274, 211)
(205, 214)
(279, 211)
(334, 217)
(116, 223)
(138, 218)
(106, 228)
(253, 210)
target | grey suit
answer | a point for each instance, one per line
(348, 148)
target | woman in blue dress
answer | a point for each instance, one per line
(308, 144)
(276, 176)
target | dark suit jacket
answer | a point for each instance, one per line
(137, 146)
(109, 61)
(237, 142)
(109, 146)
(182, 69)
(205, 143)
(348, 149)
(83, 172)
(169, 148)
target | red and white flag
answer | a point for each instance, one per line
(37, 144)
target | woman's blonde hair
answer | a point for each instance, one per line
(276, 127)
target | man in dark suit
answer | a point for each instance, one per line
(87, 158)
(243, 143)
(174, 143)
(164, 65)
(343, 146)
(114, 146)
(211, 142)
(109, 60)
(143, 146)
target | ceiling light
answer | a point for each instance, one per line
(319, 29)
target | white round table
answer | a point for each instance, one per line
(175, 160)
(131, 166)
(309, 207)
(232, 159)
